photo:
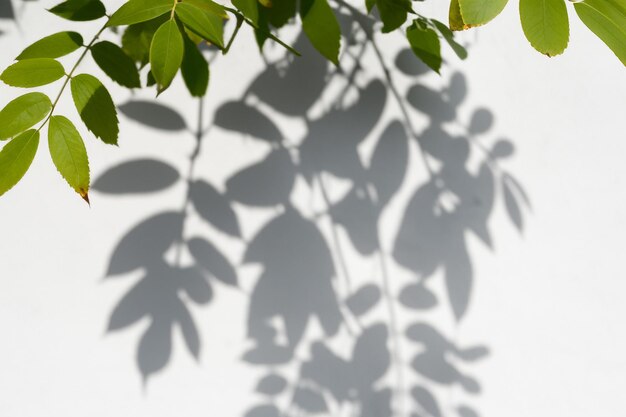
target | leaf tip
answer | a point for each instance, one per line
(84, 194)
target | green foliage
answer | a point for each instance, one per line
(53, 46)
(249, 8)
(479, 12)
(166, 54)
(116, 64)
(207, 25)
(16, 157)
(607, 19)
(393, 13)
(138, 37)
(195, 69)
(455, 18)
(425, 44)
(95, 107)
(136, 11)
(169, 36)
(80, 10)
(32, 72)
(321, 27)
(69, 154)
(545, 25)
(22, 113)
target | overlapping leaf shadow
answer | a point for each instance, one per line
(12, 11)
(300, 264)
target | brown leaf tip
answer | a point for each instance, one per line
(85, 196)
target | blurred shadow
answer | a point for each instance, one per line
(299, 263)
(6, 10)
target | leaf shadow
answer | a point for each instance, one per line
(302, 265)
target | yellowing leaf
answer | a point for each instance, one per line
(454, 16)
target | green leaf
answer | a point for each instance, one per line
(448, 35)
(16, 157)
(79, 10)
(479, 12)
(454, 16)
(53, 46)
(136, 11)
(166, 54)
(32, 72)
(69, 154)
(195, 70)
(116, 64)
(276, 12)
(393, 13)
(425, 44)
(249, 8)
(210, 6)
(150, 81)
(607, 19)
(138, 37)
(321, 27)
(207, 25)
(545, 25)
(22, 113)
(95, 106)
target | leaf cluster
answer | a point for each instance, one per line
(169, 37)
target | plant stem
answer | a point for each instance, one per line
(69, 75)
(232, 38)
(358, 17)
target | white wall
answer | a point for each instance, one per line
(545, 306)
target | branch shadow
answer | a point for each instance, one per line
(300, 263)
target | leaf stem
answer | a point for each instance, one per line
(232, 38)
(358, 17)
(69, 75)
(263, 31)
